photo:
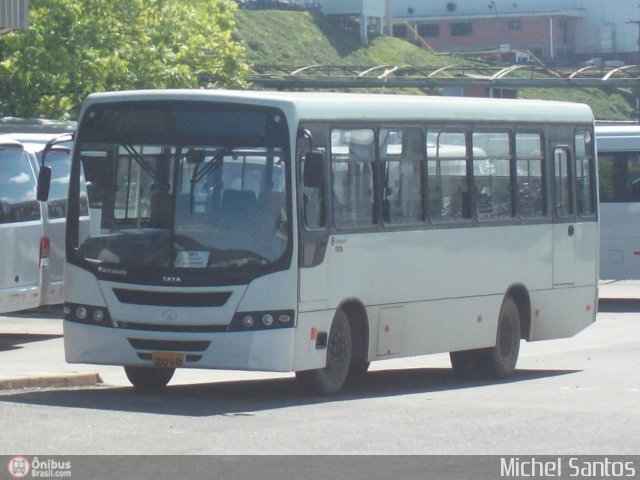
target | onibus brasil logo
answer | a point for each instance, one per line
(19, 467)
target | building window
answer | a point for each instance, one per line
(515, 24)
(400, 31)
(429, 30)
(461, 29)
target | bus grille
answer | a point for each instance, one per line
(172, 299)
(173, 328)
(169, 345)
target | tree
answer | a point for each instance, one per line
(75, 47)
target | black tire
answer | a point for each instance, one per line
(465, 363)
(149, 378)
(358, 371)
(498, 361)
(328, 380)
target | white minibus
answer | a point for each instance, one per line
(318, 232)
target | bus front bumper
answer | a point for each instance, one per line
(267, 350)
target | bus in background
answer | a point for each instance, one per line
(618, 145)
(316, 233)
(31, 136)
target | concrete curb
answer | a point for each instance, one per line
(47, 381)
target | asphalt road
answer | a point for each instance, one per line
(577, 396)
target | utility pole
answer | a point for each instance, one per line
(637, 22)
(492, 5)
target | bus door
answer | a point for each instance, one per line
(564, 214)
(312, 201)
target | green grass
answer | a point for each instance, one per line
(284, 38)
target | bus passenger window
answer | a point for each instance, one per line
(448, 184)
(584, 161)
(529, 160)
(402, 154)
(619, 176)
(562, 179)
(492, 174)
(353, 155)
(313, 198)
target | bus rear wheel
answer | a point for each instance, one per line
(149, 378)
(498, 361)
(328, 380)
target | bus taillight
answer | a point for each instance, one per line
(45, 250)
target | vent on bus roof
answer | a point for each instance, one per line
(173, 299)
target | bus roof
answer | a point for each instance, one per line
(350, 106)
(32, 142)
(621, 137)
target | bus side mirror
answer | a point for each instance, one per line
(313, 176)
(44, 183)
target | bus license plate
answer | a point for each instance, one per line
(167, 359)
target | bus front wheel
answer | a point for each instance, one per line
(328, 380)
(149, 378)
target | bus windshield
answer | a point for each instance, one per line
(167, 192)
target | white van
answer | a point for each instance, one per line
(21, 229)
(54, 211)
(45, 261)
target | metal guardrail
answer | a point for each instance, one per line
(511, 76)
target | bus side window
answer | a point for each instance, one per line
(353, 154)
(402, 155)
(585, 169)
(530, 185)
(313, 200)
(448, 182)
(492, 175)
(562, 178)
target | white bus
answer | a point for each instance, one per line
(317, 232)
(618, 145)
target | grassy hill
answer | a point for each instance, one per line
(274, 37)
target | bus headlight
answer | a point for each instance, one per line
(98, 315)
(87, 314)
(265, 320)
(247, 321)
